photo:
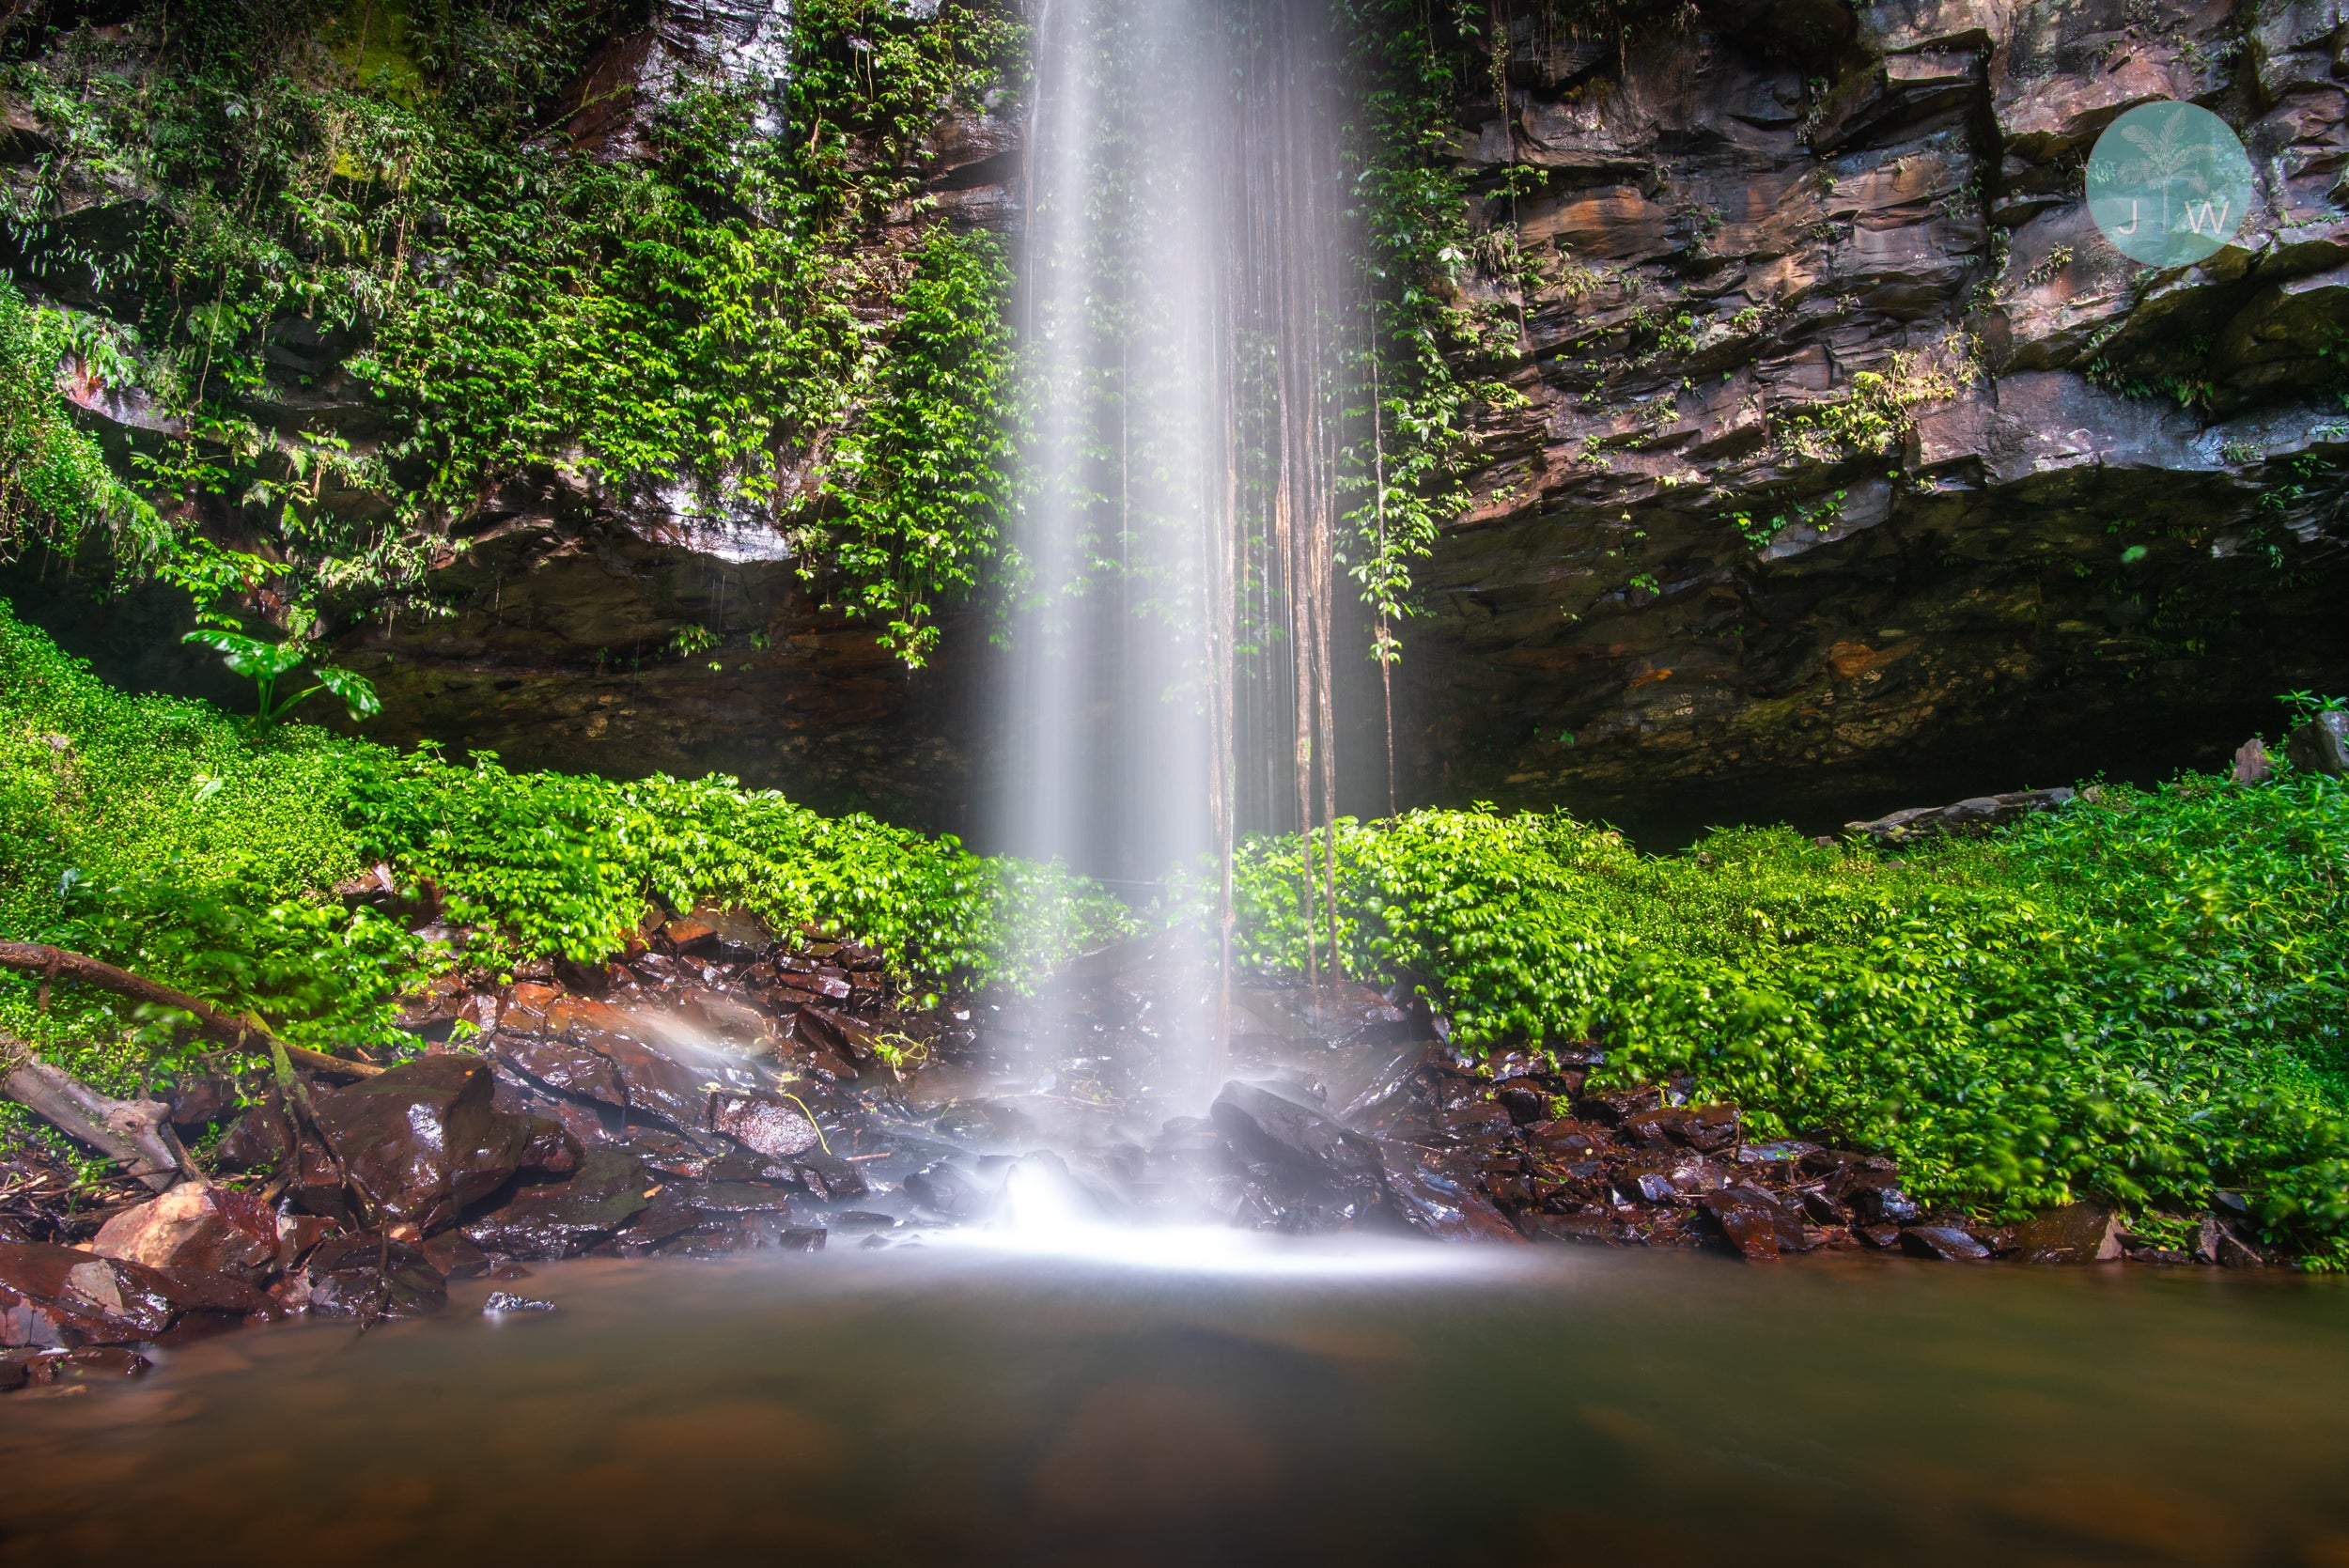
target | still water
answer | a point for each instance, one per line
(1242, 1403)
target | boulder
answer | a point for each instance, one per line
(63, 1297)
(2321, 745)
(560, 1065)
(1440, 1201)
(195, 1225)
(2252, 765)
(1757, 1225)
(1276, 1124)
(565, 1219)
(2075, 1234)
(423, 1142)
(371, 1276)
(770, 1124)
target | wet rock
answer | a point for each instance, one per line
(1782, 1151)
(2252, 765)
(682, 1156)
(1587, 1227)
(1273, 1124)
(1661, 1175)
(1758, 1224)
(563, 1220)
(659, 1085)
(1712, 1127)
(502, 1301)
(195, 1225)
(2075, 1234)
(770, 1124)
(214, 1094)
(423, 1142)
(1570, 1139)
(1947, 1243)
(1443, 1203)
(1609, 1108)
(851, 1037)
(14, 1375)
(954, 1190)
(987, 1125)
(2321, 745)
(1656, 1129)
(828, 1176)
(62, 1296)
(108, 1361)
(564, 1066)
(727, 1018)
(1525, 1103)
(455, 1256)
(1874, 1196)
(371, 1276)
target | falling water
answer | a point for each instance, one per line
(1186, 313)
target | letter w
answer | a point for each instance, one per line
(2199, 212)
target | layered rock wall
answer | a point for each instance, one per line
(1852, 460)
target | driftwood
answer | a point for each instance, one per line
(134, 1134)
(55, 963)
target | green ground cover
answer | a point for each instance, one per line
(2143, 997)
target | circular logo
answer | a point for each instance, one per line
(2168, 183)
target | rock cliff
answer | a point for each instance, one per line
(1847, 461)
(1851, 457)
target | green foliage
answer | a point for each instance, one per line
(2144, 997)
(703, 315)
(53, 479)
(264, 663)
(921, 482)
(1406, 481)
(553, 863)
(163, 836)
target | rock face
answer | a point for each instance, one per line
(1850, 451)
(1853, 467)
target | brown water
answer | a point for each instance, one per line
(1413, 1405)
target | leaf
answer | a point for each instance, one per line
(357, 692)
(247, 656)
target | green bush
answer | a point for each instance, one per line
(2140, 997)
(164, 836)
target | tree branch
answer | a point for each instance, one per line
(242, 1034)
(134, 1134)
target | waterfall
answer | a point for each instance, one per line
(1187, 306)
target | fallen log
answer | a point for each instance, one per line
(56, 963)
(134, 1134)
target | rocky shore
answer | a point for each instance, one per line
(717, 1090)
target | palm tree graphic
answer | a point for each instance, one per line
(2171, 159)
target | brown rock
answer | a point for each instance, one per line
(1757, 1225)
(195, 1225)
(1947, 1243)
(562, 1064)
(769, 1125)
(2075, 1234)
(371, 1276)
(424, 1141)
